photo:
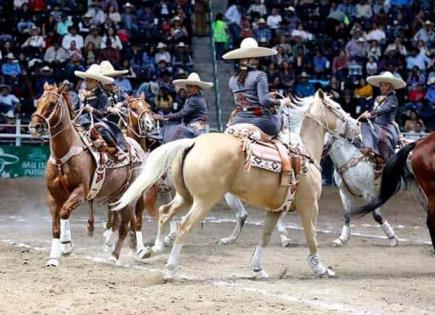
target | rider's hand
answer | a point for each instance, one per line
(273, 94)
(158, 117)
(88, 109)
(286, 101)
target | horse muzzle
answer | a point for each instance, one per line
(37, 129)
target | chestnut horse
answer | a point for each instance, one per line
(138, 122)
(207, 167)
(70, 169)
(417, 159)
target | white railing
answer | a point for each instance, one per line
(17, 136)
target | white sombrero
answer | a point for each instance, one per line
(108, 70)
(94, 72)
(386, 77)
(249, 49)
(192, 79)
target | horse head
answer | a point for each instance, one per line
(331, 116)
(52, 108)
(140, 114)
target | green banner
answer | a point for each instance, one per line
(25, 161)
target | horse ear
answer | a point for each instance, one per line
(321, 94)
(142, 96)
(62, 86)
(46, 85)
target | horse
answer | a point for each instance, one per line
(355, 177)
(138, 122)
(207, 167)
(414, 161)
(70, 169)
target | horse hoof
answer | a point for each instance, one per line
(66, 248)
(52, 262)
(394, 242)
(286, 242)
(329, 273)
(90, 233)
(338, 243)
(169, 274)
(168, 241)
(260, 275)
(226, 241)
(143, 253)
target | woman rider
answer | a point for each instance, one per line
(254, 104)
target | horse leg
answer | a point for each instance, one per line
(109, 234)
(170, 238)
(346, 201)
(74, 200)
(386, 227)
(91, 219)
(241, 215)
(269, 224)
(193, 218)
(285, 240)
(430, 221)
(55, 252)
(126, 214)
(137, 221)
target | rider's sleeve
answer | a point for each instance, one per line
(263, 90)
(389, 105)
(191, 106)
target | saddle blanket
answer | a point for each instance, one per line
(104, 161)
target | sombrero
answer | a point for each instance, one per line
(386, 77)
(94, 72)
(249, 49)
(108, 70)
(192, 79)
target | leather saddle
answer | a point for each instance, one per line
(270, 154)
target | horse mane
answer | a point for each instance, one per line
(69, 105)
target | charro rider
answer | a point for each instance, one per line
(115, 96)
(254, 104)
(379, 132)
(193, 113)
(93, 105)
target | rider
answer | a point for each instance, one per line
(193, 113)
(379, 132)
(254, 104)
(94, 103)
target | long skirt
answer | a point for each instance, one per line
(382, 139)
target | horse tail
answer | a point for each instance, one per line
(157, 164)
(178, 175)
(394, 171)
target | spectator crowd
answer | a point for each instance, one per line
(335, 45)
(47, 40)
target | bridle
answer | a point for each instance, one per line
(62, 110)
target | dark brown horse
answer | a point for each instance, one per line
(421, 164)
(70, 169)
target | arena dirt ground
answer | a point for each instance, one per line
(372, 277)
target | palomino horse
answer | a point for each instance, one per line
(138, 122)
(355, 177)
(415, 159)
(70, 169)
(207, 167)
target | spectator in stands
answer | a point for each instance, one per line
(262, 33)
(304, 87)
(85, 25)
(129, 19)
(417, 132)
(115, 42)
(371, 66)
(56, 56)
(426, 33)
(257, 7)
(178, 31)
(220, 35)
(97, 13)
(109, 53)
(233, 16)
(124, 83)
(416, 77)
(45, 76)
(320, 64)
(355, 48)
(363, 10)
(363, 90)
(162, 54)
(94, 37)
(377, 33)
(181, 58)
(9, 103)
(340, 65)
(11, 68)
(274, 20)
(113, 14)
(397, 45)
(164, 101)
(72, 36)
(35, 43)
(411, 122)
(63, 25)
